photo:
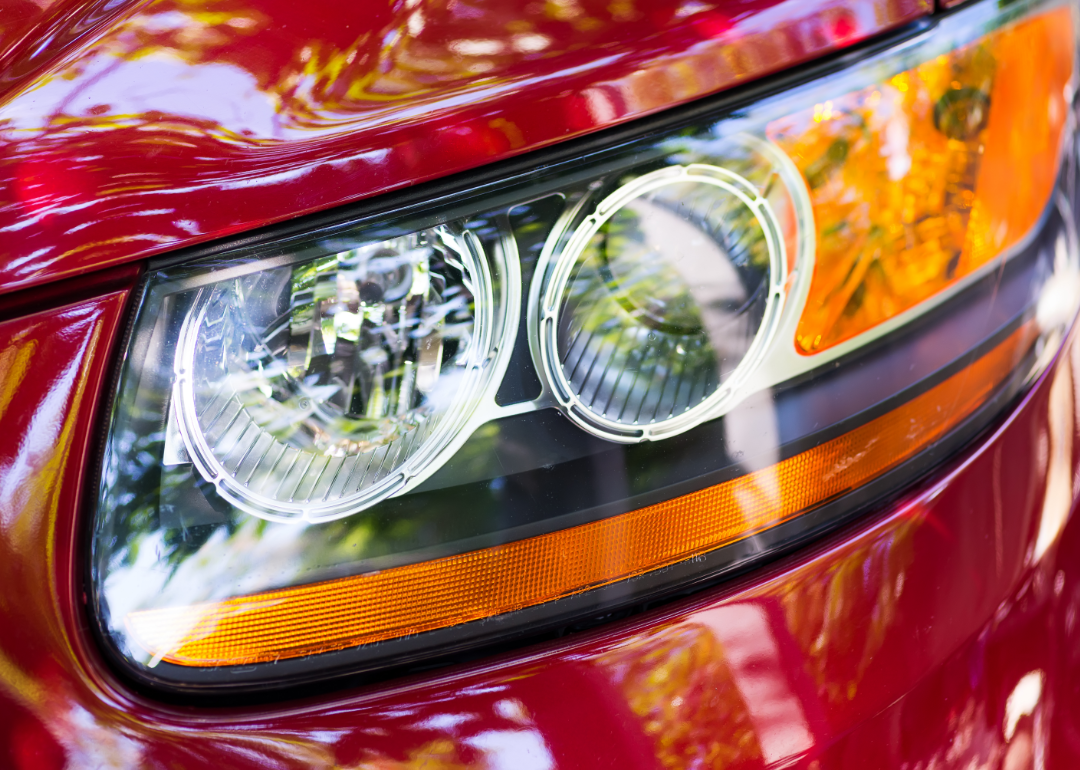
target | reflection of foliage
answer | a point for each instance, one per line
(439, 754)
(631, 321)
(866, 582)
(677, 681)
(200, 540)
(226, 548)
(401, 50)
(131, 487)
(738, 155)
(891, 171)
(641, 281)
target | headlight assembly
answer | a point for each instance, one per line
(595, 383)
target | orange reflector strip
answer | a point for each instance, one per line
(920, 180)
(446, 592)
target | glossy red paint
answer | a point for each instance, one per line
(130, 128)
(942, 629)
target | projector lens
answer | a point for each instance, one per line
(660, 300)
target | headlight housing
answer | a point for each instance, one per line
(594, 384)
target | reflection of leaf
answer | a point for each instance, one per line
(677, 681)
(440, 754)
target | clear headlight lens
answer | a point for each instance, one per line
(313, 390)
(593, 384)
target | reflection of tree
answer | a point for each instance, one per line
(677, 681)
(320, 72)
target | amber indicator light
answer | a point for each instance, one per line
(921, 180)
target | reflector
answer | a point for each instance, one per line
(316, 390)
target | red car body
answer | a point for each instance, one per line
(938, 631)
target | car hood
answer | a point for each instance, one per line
(132, 128)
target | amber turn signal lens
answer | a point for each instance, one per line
(446, 592)
(920, 181)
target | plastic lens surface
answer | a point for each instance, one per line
(393, 438)
(425, 596)
(312, 390)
